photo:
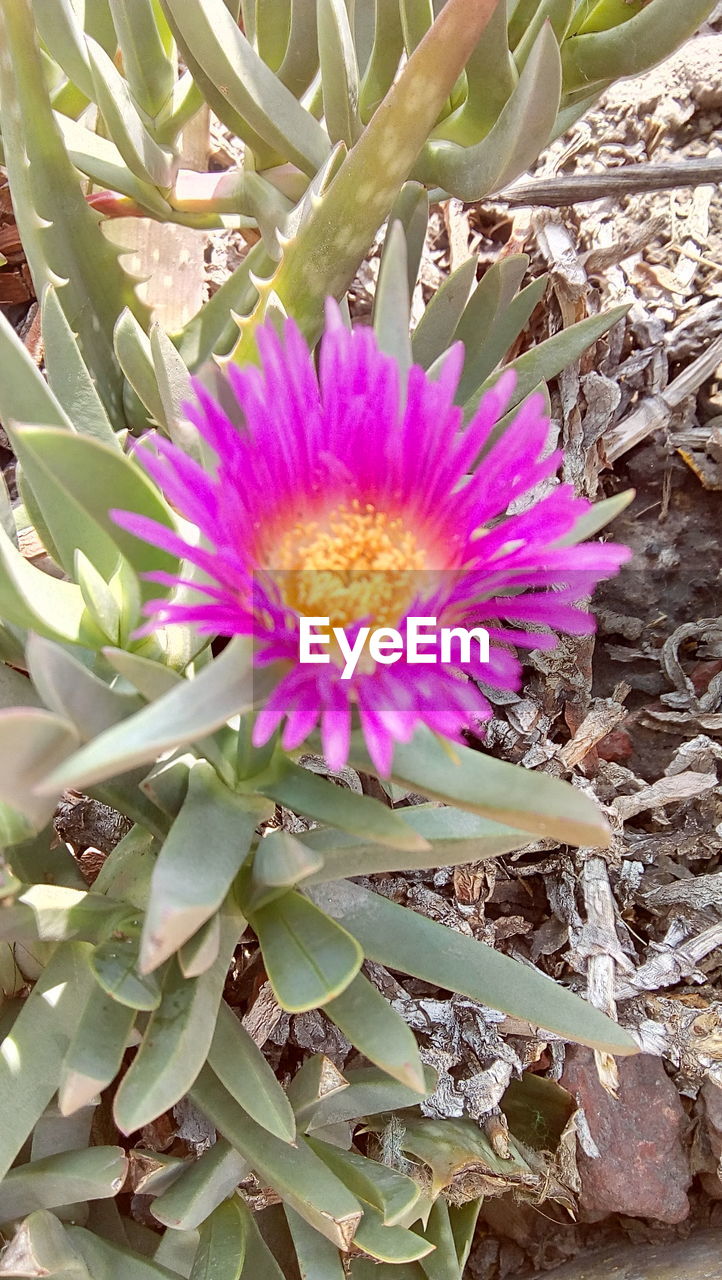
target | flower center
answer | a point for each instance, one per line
(358, 562)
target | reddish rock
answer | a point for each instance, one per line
(642, 1170)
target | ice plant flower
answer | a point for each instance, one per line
(355, 494)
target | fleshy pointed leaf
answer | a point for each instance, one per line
(32, 741)
(625, 50)
(203, 1185)
(389, 1244)
(77, 481)
(222, 1245)
(317, 1078)
(69, 376)
(339, 72)
(497, 790)
(522, 130)
(454, 837)
(295, 1173)
(308, 958)
(95, 1174)
(179, 902)
(243, 1070)
(405, 940)
(186, 713)
(392, 300)
(24, 394)
(378, 1031)
(436, 328)
(41, 1247)
(317, 1258)
(177, 1038)
(61, 236)
(71, 690)
(239, 86)
(142, 154)
(146, 59)
(96, 1050)
(370, 1091)
(115, 967)
(392, 1193)
(31, 1055)
(305, 792)
(548, 358)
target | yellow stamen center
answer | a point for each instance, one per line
(356, 562)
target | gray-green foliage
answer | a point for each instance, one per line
(159, 727)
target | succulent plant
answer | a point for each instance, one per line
(350, 116)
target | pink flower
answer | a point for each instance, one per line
(357, 495)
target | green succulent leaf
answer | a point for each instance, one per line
(106, 1260)
(115, 968)
(344, 221)
(315, 1079)
(281, 861)
(96, 1174)
(242, 1069)
(147, 56)
(32, 741)
(378, 1032)
(494, 789)
(508, 322)
(648, 36)
(77, 481)
(54, 912)
(384, 58)
(69, 376)
(259, 1260)
(392, 300)
(522, 130)
(369, 1092)
(187, 713)
(62, 33)
(222, 1246)
(24, 394)
(199, 952)
(61, 236)
(33, 1051)
(300, 61)
(339, 72)
(177, 1038)
(309, 959)
(144, 157)
(405, 940)
(134, 352)
(546, 360)
(100, 160)
(96, 1051)
(181, 901)
(392, 1193)
(241, 89)
(317, 1258)
(389, 1244)
(295, 1173)
(69, 689)
(491, 78)
(307, 793)
(41, 1247)
(203, 1185)
(454, 835)
(437, 327)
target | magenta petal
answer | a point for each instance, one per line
(293, 448)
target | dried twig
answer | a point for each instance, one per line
(577, 188)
